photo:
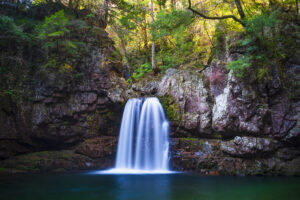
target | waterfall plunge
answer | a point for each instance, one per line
(143, 142)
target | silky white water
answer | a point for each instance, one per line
(143, 145)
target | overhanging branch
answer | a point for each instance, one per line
(214, 17)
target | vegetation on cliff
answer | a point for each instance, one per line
(55, 33)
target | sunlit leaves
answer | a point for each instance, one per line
(55, 25)
(168, 23)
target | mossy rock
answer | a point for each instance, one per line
(44, 161)
(171, 108)
(92, 121)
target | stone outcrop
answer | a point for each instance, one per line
(222, 124)
(249, 146)
(212, 157)
(101, 147)
(77, 113)
(53, 161)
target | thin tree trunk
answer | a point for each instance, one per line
(125, 54)
(240, 9)
(173, 4)
(123, 45)
(297, 9)
(70, 4)
(106, 10)
(145, 36)
(155, 70)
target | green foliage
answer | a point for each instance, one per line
(260, 25)
(9, 29)
(261, 41)
(239, 66)
(13, 40)
(143, 69)
(55, 23)
(174, 22)
(53, 31)
(262, 72)
(57, 33)
(167, 61)
(171, 107)
(45, 37)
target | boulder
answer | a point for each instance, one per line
(249, 146)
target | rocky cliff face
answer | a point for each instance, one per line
(73, 120)
(222, 124)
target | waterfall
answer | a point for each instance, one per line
(143, 145)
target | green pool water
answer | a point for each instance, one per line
(85, 186)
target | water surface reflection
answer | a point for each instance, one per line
(83, 186)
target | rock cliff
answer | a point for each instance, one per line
(220, 124)
(72, 119)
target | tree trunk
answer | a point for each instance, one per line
(154, 67)
(70, 4)
(106, 10)
(173, 4)
(297, 9)
(125, 54)
(240, 9)
(145, 35)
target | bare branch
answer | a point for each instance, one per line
(215, 17)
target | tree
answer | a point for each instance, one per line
(154, 67)
(238, 5)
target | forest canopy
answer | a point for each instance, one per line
(149, 35)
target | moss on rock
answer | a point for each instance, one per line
(171, 108)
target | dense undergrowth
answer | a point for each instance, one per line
(44, 38)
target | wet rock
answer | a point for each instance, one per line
(63, 109)
(249, 146)
(288, 153)
(98, 147)
(188, 90)
(191, 154)
(238, 109)
(293, 135)
(55, 161)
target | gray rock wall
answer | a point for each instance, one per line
(221, 124)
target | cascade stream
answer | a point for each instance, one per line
(143, 145)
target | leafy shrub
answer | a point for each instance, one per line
(239, 66)
(139, 72)
(54, 29)
(58, 35)
(260, 25)
(262, 45)
(9, 29)
(169, 23)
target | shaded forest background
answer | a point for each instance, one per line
(150, 36)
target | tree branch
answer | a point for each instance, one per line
(215, 17)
